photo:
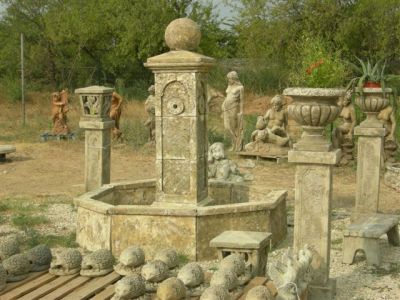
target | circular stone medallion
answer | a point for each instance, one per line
(175, 106)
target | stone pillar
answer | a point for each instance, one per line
(96, 103)
(369, 157)
(180, 113)
(370, 150)
(314, 158)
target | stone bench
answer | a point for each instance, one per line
(253, 245)
(5, 149)
(364, 235)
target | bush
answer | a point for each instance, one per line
(317, 65)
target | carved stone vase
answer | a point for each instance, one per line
(314, 109)
(371, 101)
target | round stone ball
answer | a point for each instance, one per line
(183, 34)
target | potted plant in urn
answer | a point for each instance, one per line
(370, 89)
(318, 77)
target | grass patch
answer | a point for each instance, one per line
(23, 220)
(18, 205)
(35, 238)
(183, 259)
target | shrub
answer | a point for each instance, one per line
(318, 65)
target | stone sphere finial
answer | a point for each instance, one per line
(183, 34)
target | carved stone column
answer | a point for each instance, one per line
(314, 157)
(180, 112)
(96, 103)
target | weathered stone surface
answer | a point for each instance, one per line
(191, 274)
(220, 167)
(115, 114)
(368, 169)
(6, 149)
(130, 287)
(65, 262)
(155, 271)
(9, 246)
(216, 293)
(259, 293)
(169, 257)
(253, 245)
(17, 267)
(226, 278)
(97, 263)
(93, 229)
(392, 176)
(364, 235)
(3, 278)
(171, 289)
(96, 105)
(183, 34)
(130, 261)
(39, 257)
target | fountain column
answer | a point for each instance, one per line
(314, 158)
(96, 103)
(180, 113)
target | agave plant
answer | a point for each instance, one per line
(371, 75)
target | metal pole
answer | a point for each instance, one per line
(22, 80)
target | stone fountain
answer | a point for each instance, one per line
(179, 208)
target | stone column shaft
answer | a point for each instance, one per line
(96, 121)
(369, 156)
(313, 196)
(97, 153)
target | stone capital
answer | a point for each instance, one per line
(180, 60)
(313, 157)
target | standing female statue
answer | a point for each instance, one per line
(232, 110)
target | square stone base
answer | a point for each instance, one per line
(327, 292)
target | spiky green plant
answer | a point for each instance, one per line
(369, 72)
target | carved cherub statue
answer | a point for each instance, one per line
(270, 129)
(220, 167)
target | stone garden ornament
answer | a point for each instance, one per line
(115, 114)
(232, 110)
(97, 263)
(220, 167)
(129, 288)
(65, 261)
(131, 261)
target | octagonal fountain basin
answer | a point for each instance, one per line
(116, 216)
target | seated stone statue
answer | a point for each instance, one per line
(388, 119)
(115, 114)
(270, 130)
(59, 109)
(220, 167)
(342, 136)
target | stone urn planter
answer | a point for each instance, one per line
(95, 101)
(392, 176)
(314, 109)
(371, 101)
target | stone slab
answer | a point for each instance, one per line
(311, 157)
(372, 226)
(241, 239)
(6, 149)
